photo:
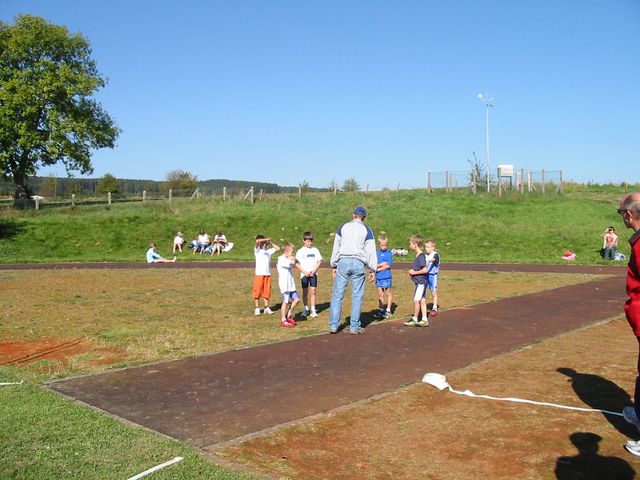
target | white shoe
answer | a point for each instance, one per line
(257, 312)
(633, 447)
(313, 314)
(268, 311)
(305, 312)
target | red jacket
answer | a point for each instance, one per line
(632, 305)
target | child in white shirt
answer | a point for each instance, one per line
(309, 260)
(262, 281)
(286, 264)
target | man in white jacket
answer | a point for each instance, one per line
(354, 249)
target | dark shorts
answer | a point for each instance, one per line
(309, 282)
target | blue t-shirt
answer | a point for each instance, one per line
(418, 264)
(384, 256)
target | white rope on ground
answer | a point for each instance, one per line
(157, 467)
(2, 384)
(440, 382)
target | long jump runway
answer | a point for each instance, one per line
(211, 399)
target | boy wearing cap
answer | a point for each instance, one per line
(354, 250)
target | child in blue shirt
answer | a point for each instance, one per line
(383, 278)
(433, 268)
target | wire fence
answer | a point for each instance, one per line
(504, 181)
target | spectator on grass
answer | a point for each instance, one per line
(202, 243)
(155, 257)
(219, 243)
(609, 243)
(630, 211)
(354, 249)
(178, 242)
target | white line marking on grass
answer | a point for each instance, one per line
(157, 467)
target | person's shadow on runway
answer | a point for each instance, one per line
(603, 394)
(588, 464)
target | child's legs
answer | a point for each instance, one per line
(305, 295)
(380, 297)
(312, 298)
(433, 286)
(389, 298)
(416, 308)
(419, 300)
(423, 308)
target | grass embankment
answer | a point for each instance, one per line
(516, 228)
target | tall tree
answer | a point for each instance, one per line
(108, 184)
(47, 110)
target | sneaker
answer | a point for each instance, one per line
(630, 415)
(633, 447)
(257, 312)
(268, 311)
(357, 332)
(386, 314)
(333, 330)
(174, 259)
(285, 323)
(291, 320)
(434, 313)
(411, 323)
(305, 312)
(423, 323)
(313, 314)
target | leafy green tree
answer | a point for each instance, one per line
(304, 186)
(351, 185)
(108, 184)
(47, 110)
(49, 187)
(180, 180)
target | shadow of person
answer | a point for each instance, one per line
(588, 464)
(603, 394)
(321, 307)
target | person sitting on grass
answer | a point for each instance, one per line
(155, 257)
(202, 243)
(178, 242)
(219, 243)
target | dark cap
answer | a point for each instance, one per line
(360, 211)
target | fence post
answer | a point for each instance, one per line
(37, 203)
(170, 195)
(261, 193)
(560, 184)
(429, 189)
(398, 188)
(522, 180)
(542, 180)
(299, 192)
(367, 190)
(73, 200)
(224, 194)
(529, 182)
(144, 196)
(499, 182)
(335, 190)
(109, 198)
(251, 191)
(450, 182)
(474, 179)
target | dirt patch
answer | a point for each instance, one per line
(62, 352)
(420, 432)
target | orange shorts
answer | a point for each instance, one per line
(261, 286)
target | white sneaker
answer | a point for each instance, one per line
(268, 311)
(630, 415)
(305, 312)
(314, 314)
(633, 447)
(257, 312)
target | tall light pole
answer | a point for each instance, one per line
(486, 98)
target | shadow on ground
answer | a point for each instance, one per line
(589, 464)
(603, 394)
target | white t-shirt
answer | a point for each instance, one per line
(308, 258)
(262, 260)
(178, 240)
(285, 275)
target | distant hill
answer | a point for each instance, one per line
(66, 186)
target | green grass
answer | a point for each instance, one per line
(44, 436)
(530, 228)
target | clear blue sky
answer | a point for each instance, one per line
(381, 91)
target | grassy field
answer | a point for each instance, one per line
(130, 317)
(529, 228)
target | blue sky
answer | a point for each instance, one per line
(287, 91)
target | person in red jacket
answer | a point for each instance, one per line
(630, 212)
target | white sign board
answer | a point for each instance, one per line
(505, 170)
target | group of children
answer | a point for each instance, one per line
(307, 260)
